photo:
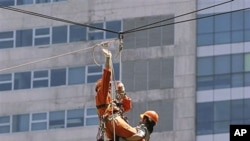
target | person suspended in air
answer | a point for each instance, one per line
(113, 125)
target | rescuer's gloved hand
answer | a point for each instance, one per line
(107, 53)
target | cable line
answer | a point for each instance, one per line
(135, 29)
(53, 18)
(187, 20)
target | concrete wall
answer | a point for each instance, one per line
(64, 97)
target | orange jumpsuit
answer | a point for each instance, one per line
(103, 99)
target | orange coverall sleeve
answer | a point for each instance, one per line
(126, 103)
(103, 96)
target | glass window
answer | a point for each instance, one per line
(221, 127)
(205, 25)
(237, 36)
(222, 111)
(222, 81)
(76, 75)
(205, 66)
(205, 112)
(56, 119)
(59, 34)
(238, 20)
(58, 77)
(24, 38)
(42, 1)
(205, 39)
(39, 121)
(5, 82)
(222, 64)
(237, 80)
(22, 80)
(247, 19)
(6, 39)
(114, 26)
(94, 73)
(42, 36)
(247, 79)
(23, 2)
(58, 0)
(75, 117)
(247, 62)
(237, 109)
(222, 38)
(237, 63)
(7, 2)
(204, 128)
(222, 22)
(40, 79)
(247, 35)
(20, 123)
(77, 33)
(117, 71)
(91, 117)
(205, 83)
(5, 124)
(246, 109)
(95, 34)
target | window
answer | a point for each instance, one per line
(237, 20)
(91, 117)
(42, 36)
(114, 26)
(39, 121)
(20, 123)
(207, 22)
(58, 77)
(94, 73)
(95, 34)
(237, 80)
(42, 1)
(40, 79)
(205, 83)
(56, 119)
(5, 124)
(22, 80)
(222, 81)
(237, 110)
(205, 117)
(222, 22)
(6, 39)
(7, 2)
(23, 38)
(5, 82)
(222, 64)
(205, 66)
(75, 117)
(237, 63)
(23, 2)
(205, 39)
(77, 33)
(247, 19)
(247, 62)
(76, 75)
(59, 34)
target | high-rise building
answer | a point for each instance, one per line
(193, 69)
(223, 68)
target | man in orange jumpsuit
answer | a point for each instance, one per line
(111, 111)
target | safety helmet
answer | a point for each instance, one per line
(119, 86)
(152, 115)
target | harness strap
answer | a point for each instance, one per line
(102, 106)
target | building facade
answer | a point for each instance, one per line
(223, 60)
(189, 71)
